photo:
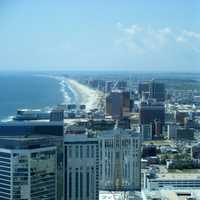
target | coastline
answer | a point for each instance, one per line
(72, 92)
(77, 93)
(93, 99)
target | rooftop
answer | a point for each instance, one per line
(24, 137)
(171, 195)
(186, 174)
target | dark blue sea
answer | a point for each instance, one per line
(26, 90)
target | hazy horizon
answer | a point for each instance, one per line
(162, 36)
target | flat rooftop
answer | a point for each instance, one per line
(186, 174)
(25, 137)
(119, 195)
(171, 195)
(179, 176)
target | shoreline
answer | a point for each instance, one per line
(82, 94)
(93, 99)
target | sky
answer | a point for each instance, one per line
(138, 35)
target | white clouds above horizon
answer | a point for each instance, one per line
(141, 38)
(159, 47)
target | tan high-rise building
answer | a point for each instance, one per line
(118, 104)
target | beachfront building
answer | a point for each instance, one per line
(81, 167)
(118, 104)
(28, 168)
(119, 156)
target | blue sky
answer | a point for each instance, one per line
(161, 35)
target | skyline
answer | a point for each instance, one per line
(132, 36)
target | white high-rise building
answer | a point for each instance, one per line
(119, 156)
(81, 167)
(28, 169)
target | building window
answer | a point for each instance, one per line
(77, 151)
(81, 151)
(88, 152)
(87, 184)
(77, 183)
(70, 185)
(92, 151)
(70, 151)
(81, 185)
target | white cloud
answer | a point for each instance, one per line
(191, 34)
(190, 40)
(163, 46)
(144, 39)
(133, 29)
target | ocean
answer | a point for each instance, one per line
(26, 90)
(44, 91)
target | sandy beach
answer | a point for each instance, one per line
(83, 94)
(88, 96)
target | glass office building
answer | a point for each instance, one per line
(28, 168)
(27, 130)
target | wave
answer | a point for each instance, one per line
(76, 97)
(77, 93)
(66, 97)
(64, 89)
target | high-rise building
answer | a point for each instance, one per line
(46, 130)
(119, 156)
(109, 86)
(81, 167)
(171, 131)
(114, 104)
(126, 104)
(146, 132)
(28, 168)
(143, 87)
(118, 104)
(154, 89)
(157, 91)
(153, 113)
(121, 85)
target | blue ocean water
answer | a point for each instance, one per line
(25, 90)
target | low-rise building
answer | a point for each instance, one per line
(180, 180)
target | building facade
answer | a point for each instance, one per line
(119, 154)
(28, 169)
(46, 130)
(152, 89)
(118, 104)
(174, 181)
(153, 113)
(81, 167)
